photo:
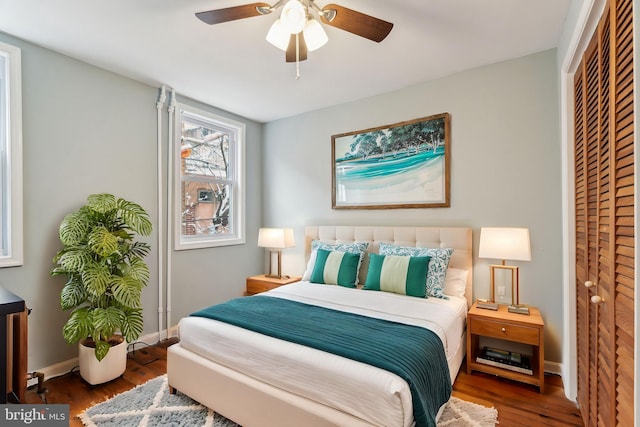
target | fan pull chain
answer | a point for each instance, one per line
(298, 56)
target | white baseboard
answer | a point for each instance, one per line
(557, 368)
(67, 366)
(149, 339)
(54, 370)
(553, 367)
(173, 331)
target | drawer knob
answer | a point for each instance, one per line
(589, 284)
(504, 329)
(597, 299)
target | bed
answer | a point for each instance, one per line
(222, 365)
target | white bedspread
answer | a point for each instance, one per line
(375, 395)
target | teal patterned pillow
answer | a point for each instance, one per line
(353, 248)
(437, 266)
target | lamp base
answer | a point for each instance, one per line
(519, 309)
(488, 305)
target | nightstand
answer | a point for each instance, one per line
(262, 283)
(505, 326)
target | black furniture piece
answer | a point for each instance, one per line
(13, 347)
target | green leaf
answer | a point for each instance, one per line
(133, 324)
(57, 271)
(102, 242)
(123, 234)
(127, 291)
(74, 228)
(74, 260)
(135, 217)
(140, 249)
(73, 294)
(106, 321)
(79, 325)
(96, 277)
(102, 203)
(102, 348)
(139, 270)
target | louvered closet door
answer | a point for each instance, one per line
(587, 112)
(604, 160)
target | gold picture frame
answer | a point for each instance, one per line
(404, 165)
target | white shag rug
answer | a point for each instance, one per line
(151, 405)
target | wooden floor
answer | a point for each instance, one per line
(517, 404)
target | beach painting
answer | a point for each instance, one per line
(405, 165)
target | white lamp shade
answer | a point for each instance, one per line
(505, 243)
(293, 17)
(314, 35)
(278, 36)
(276, 238)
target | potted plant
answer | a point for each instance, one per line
(105, 274)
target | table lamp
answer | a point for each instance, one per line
(506, 243)
(275, 239)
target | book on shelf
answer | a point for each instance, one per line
(505, 359)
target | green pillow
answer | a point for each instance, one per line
(398, 274)
(437, 267)
(335, 268)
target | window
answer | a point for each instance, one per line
(209, 180)
(10, 156)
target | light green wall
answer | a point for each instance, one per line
(505, 168)
(214, 275)
(87, 130)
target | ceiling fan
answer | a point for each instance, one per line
(297, 19)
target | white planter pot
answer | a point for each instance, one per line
(97, 372)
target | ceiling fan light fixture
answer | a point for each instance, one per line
(328, 14)
(278, 36)
(293, 17)
(264, 10)
(314, 35)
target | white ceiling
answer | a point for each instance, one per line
(231, 65)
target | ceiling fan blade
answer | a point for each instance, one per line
(231, 13)
(291, 49)
(357, 23)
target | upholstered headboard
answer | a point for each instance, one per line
(458, 238)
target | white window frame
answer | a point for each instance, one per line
(238, 202)
(11, 245)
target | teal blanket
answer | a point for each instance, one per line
(413, 353)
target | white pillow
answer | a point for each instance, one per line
(312, 261)
(455, 283)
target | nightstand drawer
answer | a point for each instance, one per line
(256, 286)
(505, 331)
